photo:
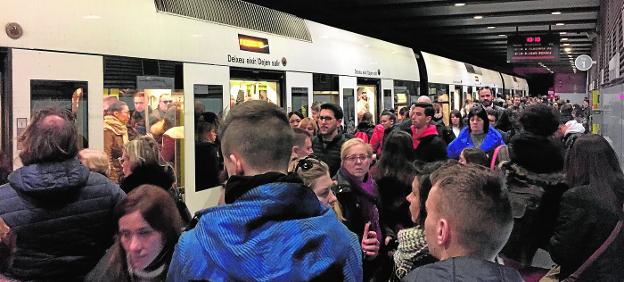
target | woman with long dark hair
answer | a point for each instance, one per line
(149, 226)
(394, 174)
(589, 210)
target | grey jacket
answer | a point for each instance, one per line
(463, 269)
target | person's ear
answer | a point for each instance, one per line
(235, 166)
(443, 233)
(428, 119)
(295, 150)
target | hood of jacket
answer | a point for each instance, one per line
(49, 179)
(274, 232)
(148, 174)
(536, 153)
(574, 127)
(523, 175)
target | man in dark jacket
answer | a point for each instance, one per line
(327, 143)
(428, 145)
(60, 212)
(468, 221)
(272, 228)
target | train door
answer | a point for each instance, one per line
(347, 86)
(208, 85)
(387, 87)
(299, 86)
(252, 84)
(42, 79)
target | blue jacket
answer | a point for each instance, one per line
(493, 139)
(273, 232)
(62, 215)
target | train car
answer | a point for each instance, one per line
(452, 83)
(515, 86)
(200, 56)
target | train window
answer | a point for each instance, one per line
(70, 95)
(165, 108)
(325, 88)
(209, 98)
(246, 90)
(348, 103)
(387, 99)
(404, 93)
(366, 101)
(300, 100)
(208, 161)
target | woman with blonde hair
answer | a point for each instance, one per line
(357, 193)
(95, 160)
(309, 125)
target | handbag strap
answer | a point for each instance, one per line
(596, 254)
(495, 156)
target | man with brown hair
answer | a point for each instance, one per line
(60, 211)
(468, 222)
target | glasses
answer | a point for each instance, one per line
(167, 101)
(326, 118)
(360, 158)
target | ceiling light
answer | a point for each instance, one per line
(491, 27)
(477, 17)
(567, 50)
(566, 44)
(556, 13)
(563, 32)
(559, 24)
(502, 35)
(460, 4)
(564, 39)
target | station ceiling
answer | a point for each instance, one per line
(470, 31)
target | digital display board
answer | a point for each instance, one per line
(253, 44)
(533, 48)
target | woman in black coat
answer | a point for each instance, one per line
(141, 164)
(589, 211)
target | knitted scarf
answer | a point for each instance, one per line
(412, 248)
(116, 126)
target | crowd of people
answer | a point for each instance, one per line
(408, 199)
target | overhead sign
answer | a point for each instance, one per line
(583, 62)
(253, 44)
(533, 48)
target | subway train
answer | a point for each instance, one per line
(208, 55)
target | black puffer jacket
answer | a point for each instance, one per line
(584, 223)
(463, 269)
(62, 215)
(534, 201)
(329, 152)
